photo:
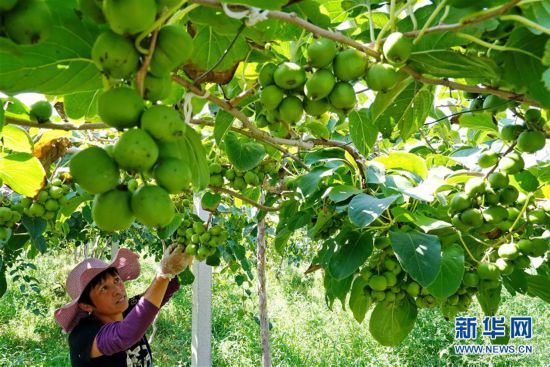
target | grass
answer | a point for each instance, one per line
(305, 332)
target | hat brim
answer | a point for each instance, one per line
(128, 267)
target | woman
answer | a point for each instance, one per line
(105, 327)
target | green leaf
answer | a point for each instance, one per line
(478, 121)
(317, 129)
(223, 123)
(324, 155)
(2, 119)
(243, 154)
(36, 227)
(196, 156)
(407, 161)
(529, 80)
(359, 302)
(342, 192)
(209, 46)
(364, 209)
(538, 12)
(186, 277)
(416, 109)
(429, 224)
(171, 228)
(352, 252)
(336, 289)
(516, 282)
(539, 286)
(419, 254)
(60, 64)
(489, 300)
(74, 202)
(450, 273)
(82, 104)
(526, 181)
(546, 58)
(270, 5)
(309, 183)
(23, 173)
(384, 100)
(450, 64)
(362, 130)
(281, 239)
(390, 323)
(312, 13)
(215, 18)
(16, 139)
(3, 284)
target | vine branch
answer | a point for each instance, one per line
(244, 198)
(368, 48)
(55, 126)
(249, 92)
(140, 76)
(257, 133)
(251, 135)
(467, 22)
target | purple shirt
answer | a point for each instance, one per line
(118, 336)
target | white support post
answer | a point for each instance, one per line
(201, 342)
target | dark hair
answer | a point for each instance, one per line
(85, 296)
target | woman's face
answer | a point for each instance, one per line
(109, 297)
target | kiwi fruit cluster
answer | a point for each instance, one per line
(46, 203)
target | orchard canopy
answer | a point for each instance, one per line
(403, 141)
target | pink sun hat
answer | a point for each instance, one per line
(125, 261)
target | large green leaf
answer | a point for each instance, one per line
(407, 108)
(223, 123)
(524, 71)
(309, 183)
(407, 161)
(538, 12)
(362, 130)
(60, 64)
(489, 300)
(82, 104)
(419, 254)
(390, 323)
(336, 289)
(23, 173)
(172, 227)
(215, 18)
(383, 101)
(342, 192)
(353, 250)
(418, 109)
(311, 12)
(450, 64)
(243, 153)
(209, 46)
(359, 302)
(539, 286)
(364, 209)
(478, 121)
(196, 156)
(16, 139)
(450, 274)
(36, 227)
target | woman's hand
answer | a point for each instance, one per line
(174, 260)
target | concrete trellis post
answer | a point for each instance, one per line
(201, 342)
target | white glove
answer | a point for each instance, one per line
(174, 261)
